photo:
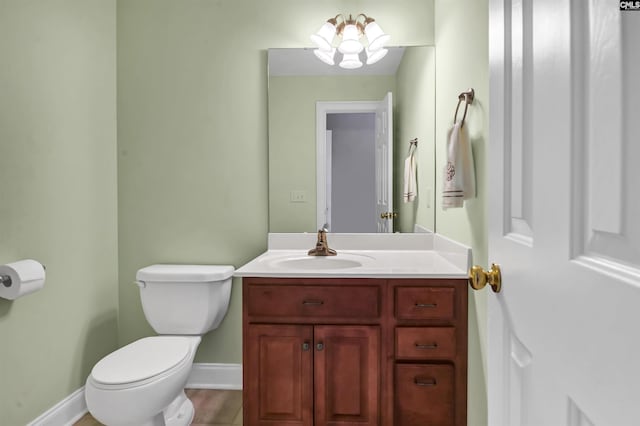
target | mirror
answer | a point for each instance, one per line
(297, 81)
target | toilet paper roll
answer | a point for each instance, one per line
(20, 278)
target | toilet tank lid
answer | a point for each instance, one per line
(185, 273)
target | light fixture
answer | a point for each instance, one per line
(350, 61)
(326, 56)
(351, 36)
(373, 57)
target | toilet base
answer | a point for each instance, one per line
(180, 412)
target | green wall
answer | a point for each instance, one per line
(57, 196)
(462, 61)
(187, 179)
(415, 118)
(193, 134)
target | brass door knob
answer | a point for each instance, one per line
(388, 215)
(478, 277)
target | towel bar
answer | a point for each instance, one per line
(467, 96)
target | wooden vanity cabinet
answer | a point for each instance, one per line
(353, 351)
(429, 322)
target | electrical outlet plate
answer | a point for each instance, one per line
(298, 196)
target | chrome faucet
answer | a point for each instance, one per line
(322, 247)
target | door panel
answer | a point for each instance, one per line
(563, 213)
(281, 359)
(384, 162)
(347, 375)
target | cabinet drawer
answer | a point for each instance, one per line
(313, 301)
(423, 303)
(424, 395)
(419, 343)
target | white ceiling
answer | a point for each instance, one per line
(303, 61)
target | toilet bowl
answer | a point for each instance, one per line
(142, 383)
(139, 383)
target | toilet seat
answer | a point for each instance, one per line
(142, 361)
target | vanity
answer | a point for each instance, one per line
(376, 335)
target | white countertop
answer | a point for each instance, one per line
(419, 255)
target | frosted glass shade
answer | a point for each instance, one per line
(326, 56)
(376, 37)
(350, 61)
(373, 57)
(350, 43)
(324, 37)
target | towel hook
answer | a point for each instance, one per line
(413, 143)
(467, 97)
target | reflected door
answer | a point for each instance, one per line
(563, 332)
(384, 164)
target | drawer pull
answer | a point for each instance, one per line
(426, 346)
(421, 381)
(313, 302)
(426, 305)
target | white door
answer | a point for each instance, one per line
(564, 213)
(384, 164)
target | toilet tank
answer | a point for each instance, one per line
(185, 299)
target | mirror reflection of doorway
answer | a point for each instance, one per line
(354, 165)
(351, 189)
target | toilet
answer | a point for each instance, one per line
(142, 384)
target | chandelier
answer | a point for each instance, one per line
(352, 36)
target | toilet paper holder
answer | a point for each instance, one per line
(5, 280)
(20, 278)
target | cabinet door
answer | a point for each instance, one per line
(280, 365)
(347, 375)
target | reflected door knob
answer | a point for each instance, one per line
(479, 278)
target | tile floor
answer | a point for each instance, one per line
(213, 407)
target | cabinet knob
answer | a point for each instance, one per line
(320, 346)
(305, 346)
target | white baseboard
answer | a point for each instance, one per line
(203, 376)
(215, 376)
(66, 412)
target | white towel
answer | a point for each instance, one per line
(410, 191)
(459, 173)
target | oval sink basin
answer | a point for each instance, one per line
(318, 262)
